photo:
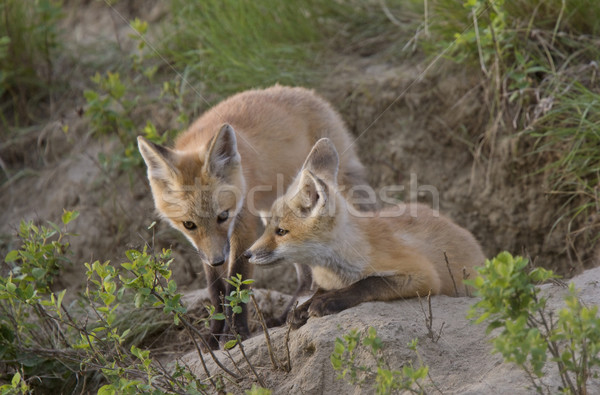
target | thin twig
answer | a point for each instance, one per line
(207, 346)
(233, 361)
(451, 275)
(429, 320)
(554, 349)
(274, 361)
(201, 357)
(466, 276)
(241, 347)
(287, 345)
(202, 340)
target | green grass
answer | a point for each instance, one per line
(569, 133)
(234, 45)
(28, 42)
(535, 57)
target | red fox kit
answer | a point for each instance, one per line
(225, 168)
(391, 255)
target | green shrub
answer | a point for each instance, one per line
(386, 379)
(114, 105)
(528, 332)
(110, 110)
(26, 328)
(48, 346)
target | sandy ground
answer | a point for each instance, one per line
(460, 362)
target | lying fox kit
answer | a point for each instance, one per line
(390, 255)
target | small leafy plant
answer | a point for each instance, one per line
(529, 332)
(110, 110)
(387, 380)
(47, 345)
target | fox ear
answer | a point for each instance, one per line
(222, 154)
(312, 192)
(323, 160)
(159, 159)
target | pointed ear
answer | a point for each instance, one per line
(323, 160)
(159, 159)
(222, 154)
(312, 192)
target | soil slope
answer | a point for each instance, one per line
(460, 362)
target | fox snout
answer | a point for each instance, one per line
(216, 258)
(261, 257)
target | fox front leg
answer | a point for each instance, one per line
(247, 229)
(304, 279)
(236, 324)
(367, 290)
(216, 288)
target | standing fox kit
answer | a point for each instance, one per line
(391, 255)
(226, 168)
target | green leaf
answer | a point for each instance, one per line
(38, 273)
(11, 287)
(339, 346)
(69, 216)
(139, 300)
(107, 389)
(90, 95)
(11, 256)
(230, 344)
(172, 287)
(336, 362)
(16, 380)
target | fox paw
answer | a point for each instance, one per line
(297, 317)
(326, 306)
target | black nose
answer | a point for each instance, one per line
(218, 263)
(248, 254)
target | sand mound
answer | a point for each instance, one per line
(459, 363)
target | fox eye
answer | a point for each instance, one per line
(281, 232)
(189, 225)
(222, 217)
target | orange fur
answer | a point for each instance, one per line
(395, 253)
(226, 166)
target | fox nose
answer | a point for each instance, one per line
(248, 254)
(217, 261)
